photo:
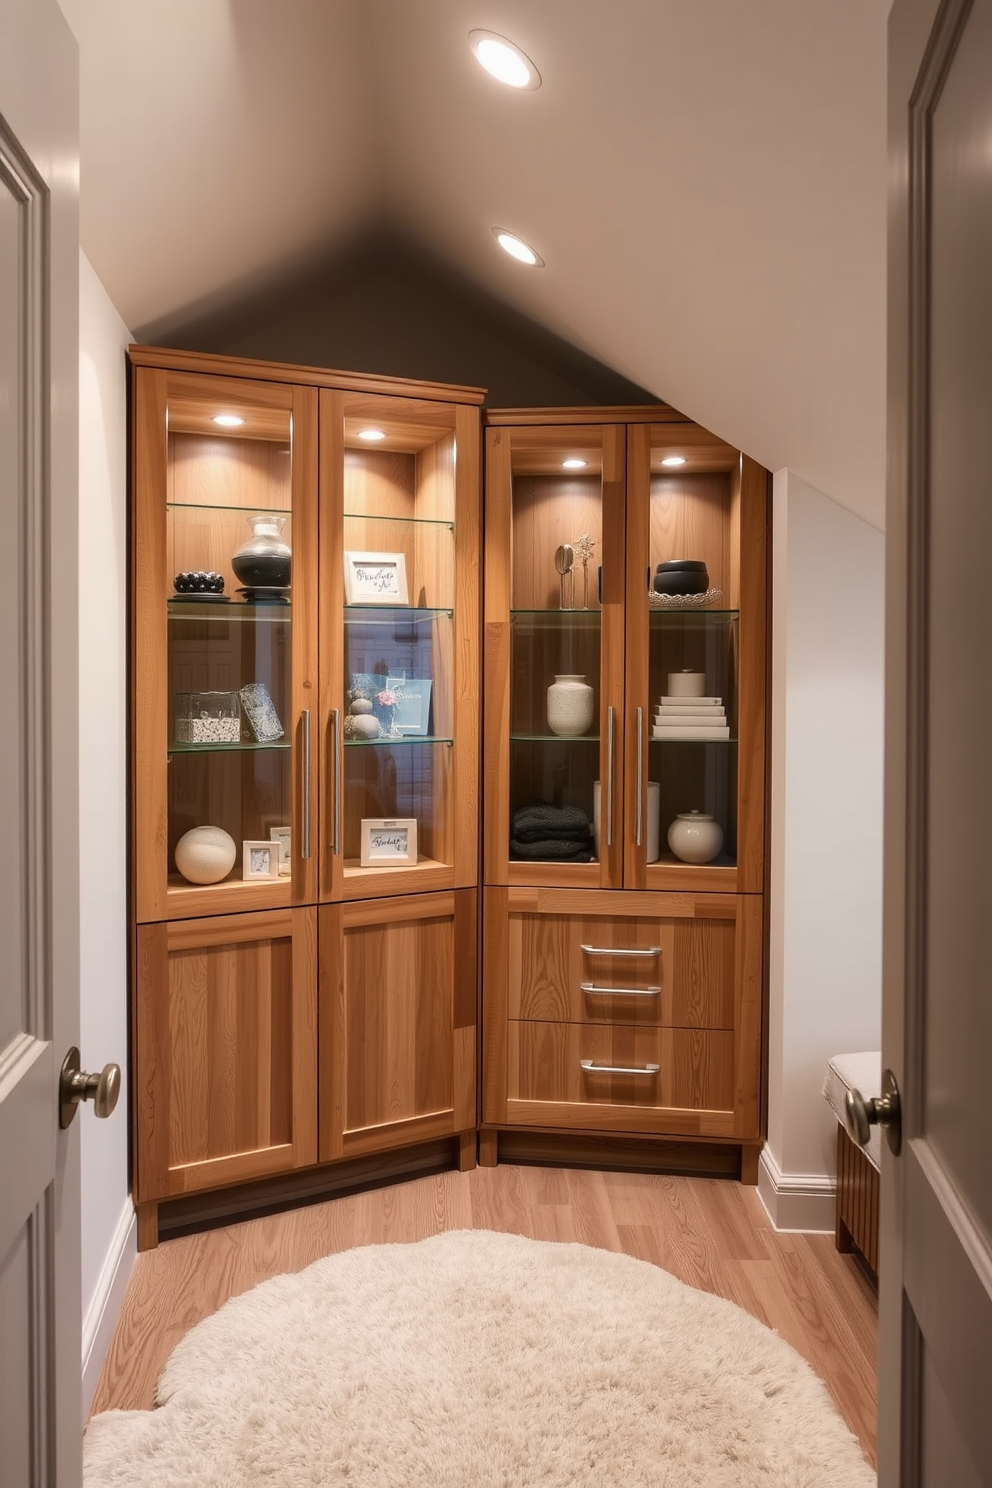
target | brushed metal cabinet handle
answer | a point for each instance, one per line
(620, 991)
(609, 777)
(618, 1069)
(336, 781)
(305, 767)
(592, 950)
(640, 775)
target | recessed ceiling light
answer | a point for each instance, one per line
(228, 420)
(673, 460)
(372, 435)
(575, 464)
(503, 61)
(517, 248)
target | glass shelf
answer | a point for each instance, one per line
(237, 610)
(554, 738)
(697, 618)
(403, 521)
(721, 742)
(404, 739)
(240, 748)
(193, 506)
(555, 619)
(390, 614)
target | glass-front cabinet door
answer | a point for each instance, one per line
(554, 654)
(400, 610)
(696, 525)
(224, 615)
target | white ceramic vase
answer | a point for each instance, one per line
(205, 855)
(570, 705)
(695, 837)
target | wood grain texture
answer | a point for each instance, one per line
(355, 382)
(225, 1050)
(857, 1202)
(695, 1074)
(397, 1022)
(710, 1233)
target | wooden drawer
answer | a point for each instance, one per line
(675, 969)
(681, 1072)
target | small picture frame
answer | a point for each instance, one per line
(389, 841)
(283, 836)
(375, 579)
(260, 860)
(412, 711)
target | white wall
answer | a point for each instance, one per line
(826, 848)
(108, 1241)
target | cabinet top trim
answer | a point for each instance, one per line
(169, 360)
(636, 413)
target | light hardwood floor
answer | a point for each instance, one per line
(710, 1233)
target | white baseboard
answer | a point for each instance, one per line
(795, 1201)
(104, 1309)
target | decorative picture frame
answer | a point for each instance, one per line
(260, 860)
(389, 841)
(283, 835)
(375, 579)
(412, 709)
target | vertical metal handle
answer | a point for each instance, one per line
(336, 781)
(640, 776)
(305, 766)
(609, 777)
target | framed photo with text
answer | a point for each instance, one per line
(389, 841)
(260, 860)
(375, 579)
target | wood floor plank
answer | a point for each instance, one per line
(710, 1233)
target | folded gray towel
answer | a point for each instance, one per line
(553, 850)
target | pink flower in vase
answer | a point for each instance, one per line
(386, 698)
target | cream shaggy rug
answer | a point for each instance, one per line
(472, 1360)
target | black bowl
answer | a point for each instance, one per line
(684, 581)
(682, 565)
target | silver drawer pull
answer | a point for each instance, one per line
(616, 951)
(620, 991)
(619, 1069)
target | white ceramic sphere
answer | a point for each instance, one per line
(361, 705)
(365, 726)
(695, 837)
(205, 855)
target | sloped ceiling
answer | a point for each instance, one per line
(704, 178)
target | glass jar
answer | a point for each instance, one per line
(264, 561)
(208, 718)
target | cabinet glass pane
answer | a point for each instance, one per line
(693, 645)
(399, 626)
(555, 645)
(228, 596)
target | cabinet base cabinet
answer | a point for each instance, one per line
(398, 1000)
(226, 1050)
(623, 1012)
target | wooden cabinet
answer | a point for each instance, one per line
(623, 984)
(317, 710)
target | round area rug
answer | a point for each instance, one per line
(473, 1360)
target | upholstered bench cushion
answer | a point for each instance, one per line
(855, 1072)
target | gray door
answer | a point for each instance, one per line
(935, 1387)
(40, 1325)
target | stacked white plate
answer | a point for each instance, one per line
(690, 718)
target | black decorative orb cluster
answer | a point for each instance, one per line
(199, 583)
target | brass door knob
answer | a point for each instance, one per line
(883, 1110)
(75, 1086)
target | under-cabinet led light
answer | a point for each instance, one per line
(503, 61)
(372, 435)
(517, 248)
(228, 420)
(575, 464)
(673, 460)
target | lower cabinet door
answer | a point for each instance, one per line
(398, 1000)
(225, 1073)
